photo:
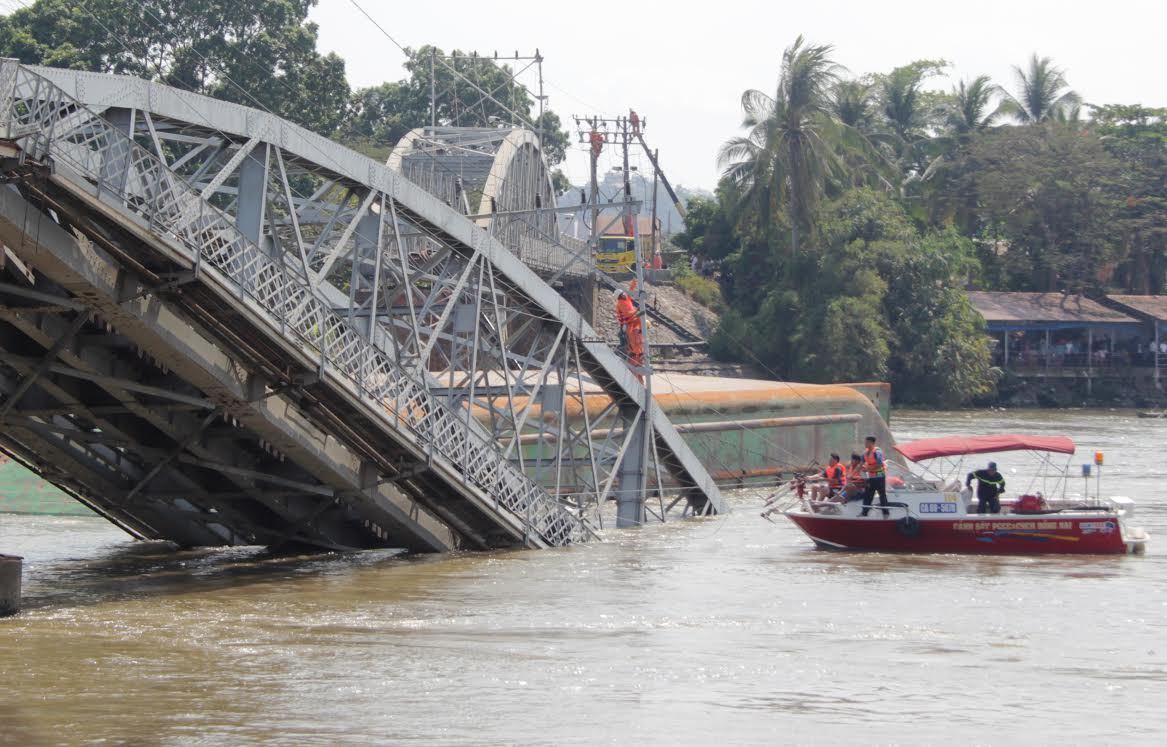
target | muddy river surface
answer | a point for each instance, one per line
(729, 630)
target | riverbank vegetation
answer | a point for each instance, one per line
(855, 209)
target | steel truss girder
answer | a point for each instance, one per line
(416, 211)
(142, 321)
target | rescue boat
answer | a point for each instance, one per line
(935, 514)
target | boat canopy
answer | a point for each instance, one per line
(930, 448)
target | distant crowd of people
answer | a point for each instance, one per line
(1024, 350)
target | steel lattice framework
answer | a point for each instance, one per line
(409, 307)
(499, 178)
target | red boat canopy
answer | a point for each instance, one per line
(930, 448)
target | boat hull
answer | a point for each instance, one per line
(972, 534)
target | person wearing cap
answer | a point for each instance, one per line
(876, 477)
(990, 486)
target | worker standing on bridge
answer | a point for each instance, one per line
(628, 318)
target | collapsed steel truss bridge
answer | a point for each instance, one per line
(219, 328)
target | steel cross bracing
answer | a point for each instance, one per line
(499, 177)
(93, 156)
(457, 319)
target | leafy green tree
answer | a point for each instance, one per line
(788, 155)
(380, 114)
(1042, 93)
(481, 93)
(255, 52)
(1136, 136)
(1049, 199)
(708, 229)
(877, 301)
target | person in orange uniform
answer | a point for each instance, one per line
(597, 141)
(836, 476)
(856, 480)
(873, 467)
(629, 320)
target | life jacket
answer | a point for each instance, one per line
(855, 476)
(835, 475)
(873, 463)
(626, 312)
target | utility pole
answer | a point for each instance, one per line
(633, 468)
(433, 91)
(539, 63)
(655, 232)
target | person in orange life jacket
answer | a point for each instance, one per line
(836, 477)
(873, 468)
(856, 481)
(597, 142)
(631, 334)
(990, 486)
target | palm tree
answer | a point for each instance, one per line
(851, 104)
(972, 107)
(1042, 93)
(788, 153)
(970, 110)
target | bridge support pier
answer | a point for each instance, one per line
(630, 496)
(11, 567)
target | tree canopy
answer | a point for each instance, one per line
(263, 53)
(856, 210)
(254, 52)
(469, 90)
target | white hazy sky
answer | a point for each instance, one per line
(684, 65)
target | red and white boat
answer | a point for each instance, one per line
(940, 515)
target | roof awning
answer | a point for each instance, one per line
(931, 448)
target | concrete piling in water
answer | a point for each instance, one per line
(11, 567)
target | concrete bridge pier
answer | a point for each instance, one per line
(11, 567)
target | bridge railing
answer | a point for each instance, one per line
(49, 123)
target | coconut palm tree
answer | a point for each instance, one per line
(1042, 93)
(851, 103)
(971, 109)
(788, 154)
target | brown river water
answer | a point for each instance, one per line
(728, 630)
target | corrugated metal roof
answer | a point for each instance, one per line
(1042, 307)
(1153, 306)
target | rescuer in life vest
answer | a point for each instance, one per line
(856, 481)
(631, 334)
(836, 477)
(990, 486)
(873, 467)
